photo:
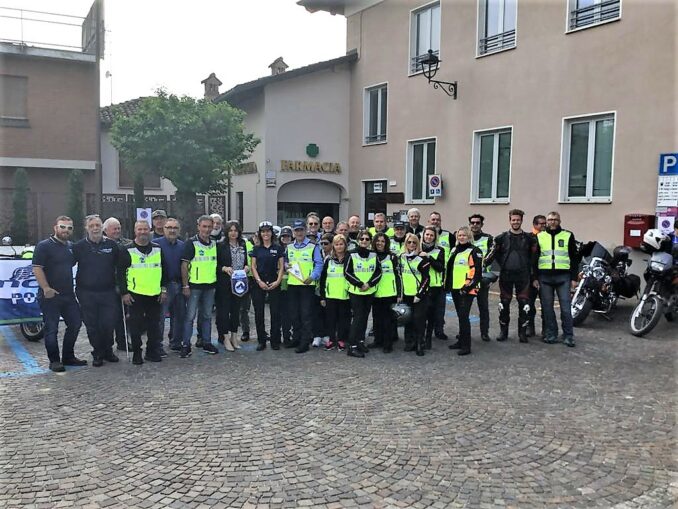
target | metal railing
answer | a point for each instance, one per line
(41, 29)
(496, 42)
(374, 138)
(415, 62)
(597, 13)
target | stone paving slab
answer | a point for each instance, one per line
(512, 425)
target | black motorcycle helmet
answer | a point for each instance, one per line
(621, 254)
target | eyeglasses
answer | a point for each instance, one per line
(313, 224)
(65, 227)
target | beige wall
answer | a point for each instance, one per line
(626, 66)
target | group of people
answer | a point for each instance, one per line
(321, 281)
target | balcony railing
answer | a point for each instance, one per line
(375, 138)
(497, 42)
(415, 62)
(593, 14)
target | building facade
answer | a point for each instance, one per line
(562, 105)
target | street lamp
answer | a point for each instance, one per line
(429, 66)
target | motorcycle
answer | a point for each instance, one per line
(603, 281)
(660, 295)
(34, 330)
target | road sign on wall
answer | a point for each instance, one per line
(435, 186)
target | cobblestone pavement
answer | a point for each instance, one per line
(512, 425)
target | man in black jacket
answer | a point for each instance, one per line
(513, 251)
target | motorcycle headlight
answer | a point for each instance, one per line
(658, 266)
(599, 273)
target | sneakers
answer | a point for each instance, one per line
(341, 345)
(326, 339)
(317, 341)
(185, 352)
(330, 345)
(57, 367)
(210, 349)
(550, 341)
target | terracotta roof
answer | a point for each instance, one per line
(251, 86)
(127, 108)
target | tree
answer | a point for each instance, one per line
(75, 192)
(19, 228)
(193, 143)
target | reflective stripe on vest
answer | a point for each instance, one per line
(553, 252)
(336, 286)
(386, 287)
(249, 249)
(303, 257)
(145, 272)
(363, 270)
(203, 268)
(411, 275)
(397, 248)
(436, 277)
(461, 271)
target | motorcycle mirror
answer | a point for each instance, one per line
(7, 241)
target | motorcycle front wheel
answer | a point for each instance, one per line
(646, 315)
(33, 331)
(581, 307)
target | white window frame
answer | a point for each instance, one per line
(366, 113)
(480, 29)
(565, 157)
(570, 7)
(475, 170)
(411, 29)
(409, 171)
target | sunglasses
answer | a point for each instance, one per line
(324, 243)
(363, 239)
(65, 227)
(411, 242)
(313, 224)
(476, 222)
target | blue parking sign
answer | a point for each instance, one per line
(668, 164)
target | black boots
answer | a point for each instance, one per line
(503, 332)
(529, 330)
(354, 351)
(522, 334)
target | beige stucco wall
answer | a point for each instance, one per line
(626, 66)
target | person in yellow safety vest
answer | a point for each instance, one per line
(556, 264)
(285, 317)
(446, 242)
(397, 244)
(380, 226)
(363, 272)
(416, 280)
(141, 280)
(436, 256)
(388, 290)
(464, 272)
(304, 263)
(484, 242)
(199, 279)
(334, 298)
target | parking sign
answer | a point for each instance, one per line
(435, 186)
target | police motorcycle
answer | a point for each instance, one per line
(32, 331)
(603, 280)
(661, 285)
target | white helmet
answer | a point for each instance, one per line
(276, 230)
(653, 239)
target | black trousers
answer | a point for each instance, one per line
(338, 318)
(144, 314)
(484, 307)
(228, 307)
(222, 311)
(508, 285)
(462, 304)
(414, 329)
(383, 321)
(319, 325)
(534, 293)
(360, 305)
(259, 302)
(300, 301)
(433, 311)
(99, 311)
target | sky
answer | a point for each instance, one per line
(176, 44)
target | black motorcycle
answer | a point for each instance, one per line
(660, 295)
(603, 281)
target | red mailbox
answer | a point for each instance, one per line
(635, 226)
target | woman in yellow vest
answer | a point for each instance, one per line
(333, 290)
(416, 281)
(464, 271)
(436, 255)
(363, 272)
(388, 290)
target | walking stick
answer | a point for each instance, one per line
(124, 323)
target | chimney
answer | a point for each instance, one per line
(212, 84)
(278, 66)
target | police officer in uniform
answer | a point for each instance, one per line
(556, 266)
(513, 251)
(142, 286)
(482, 241)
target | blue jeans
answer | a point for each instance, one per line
(549, 285)
(52, 309)
(175, 304)
(200, 303)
